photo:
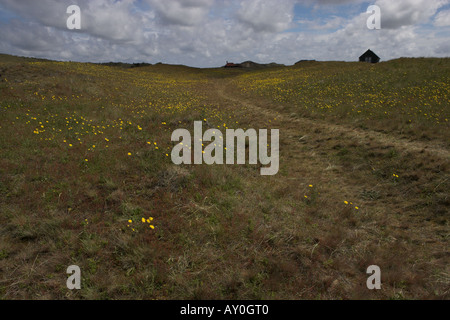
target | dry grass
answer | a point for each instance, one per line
(223, 232)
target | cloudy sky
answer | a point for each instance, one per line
(207, 33)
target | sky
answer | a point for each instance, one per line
(207, 33)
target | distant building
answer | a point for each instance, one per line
(369, 56)
(252, 65)
(232, 65)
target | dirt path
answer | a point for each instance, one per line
(397, 217)
(333, 129)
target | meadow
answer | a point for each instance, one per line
(86, 179)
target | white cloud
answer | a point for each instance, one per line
(267, 15)
(442, 19)
(208, 32)
(329, 24)
(395, 14)
(182, 12)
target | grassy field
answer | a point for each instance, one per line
(86, 178)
